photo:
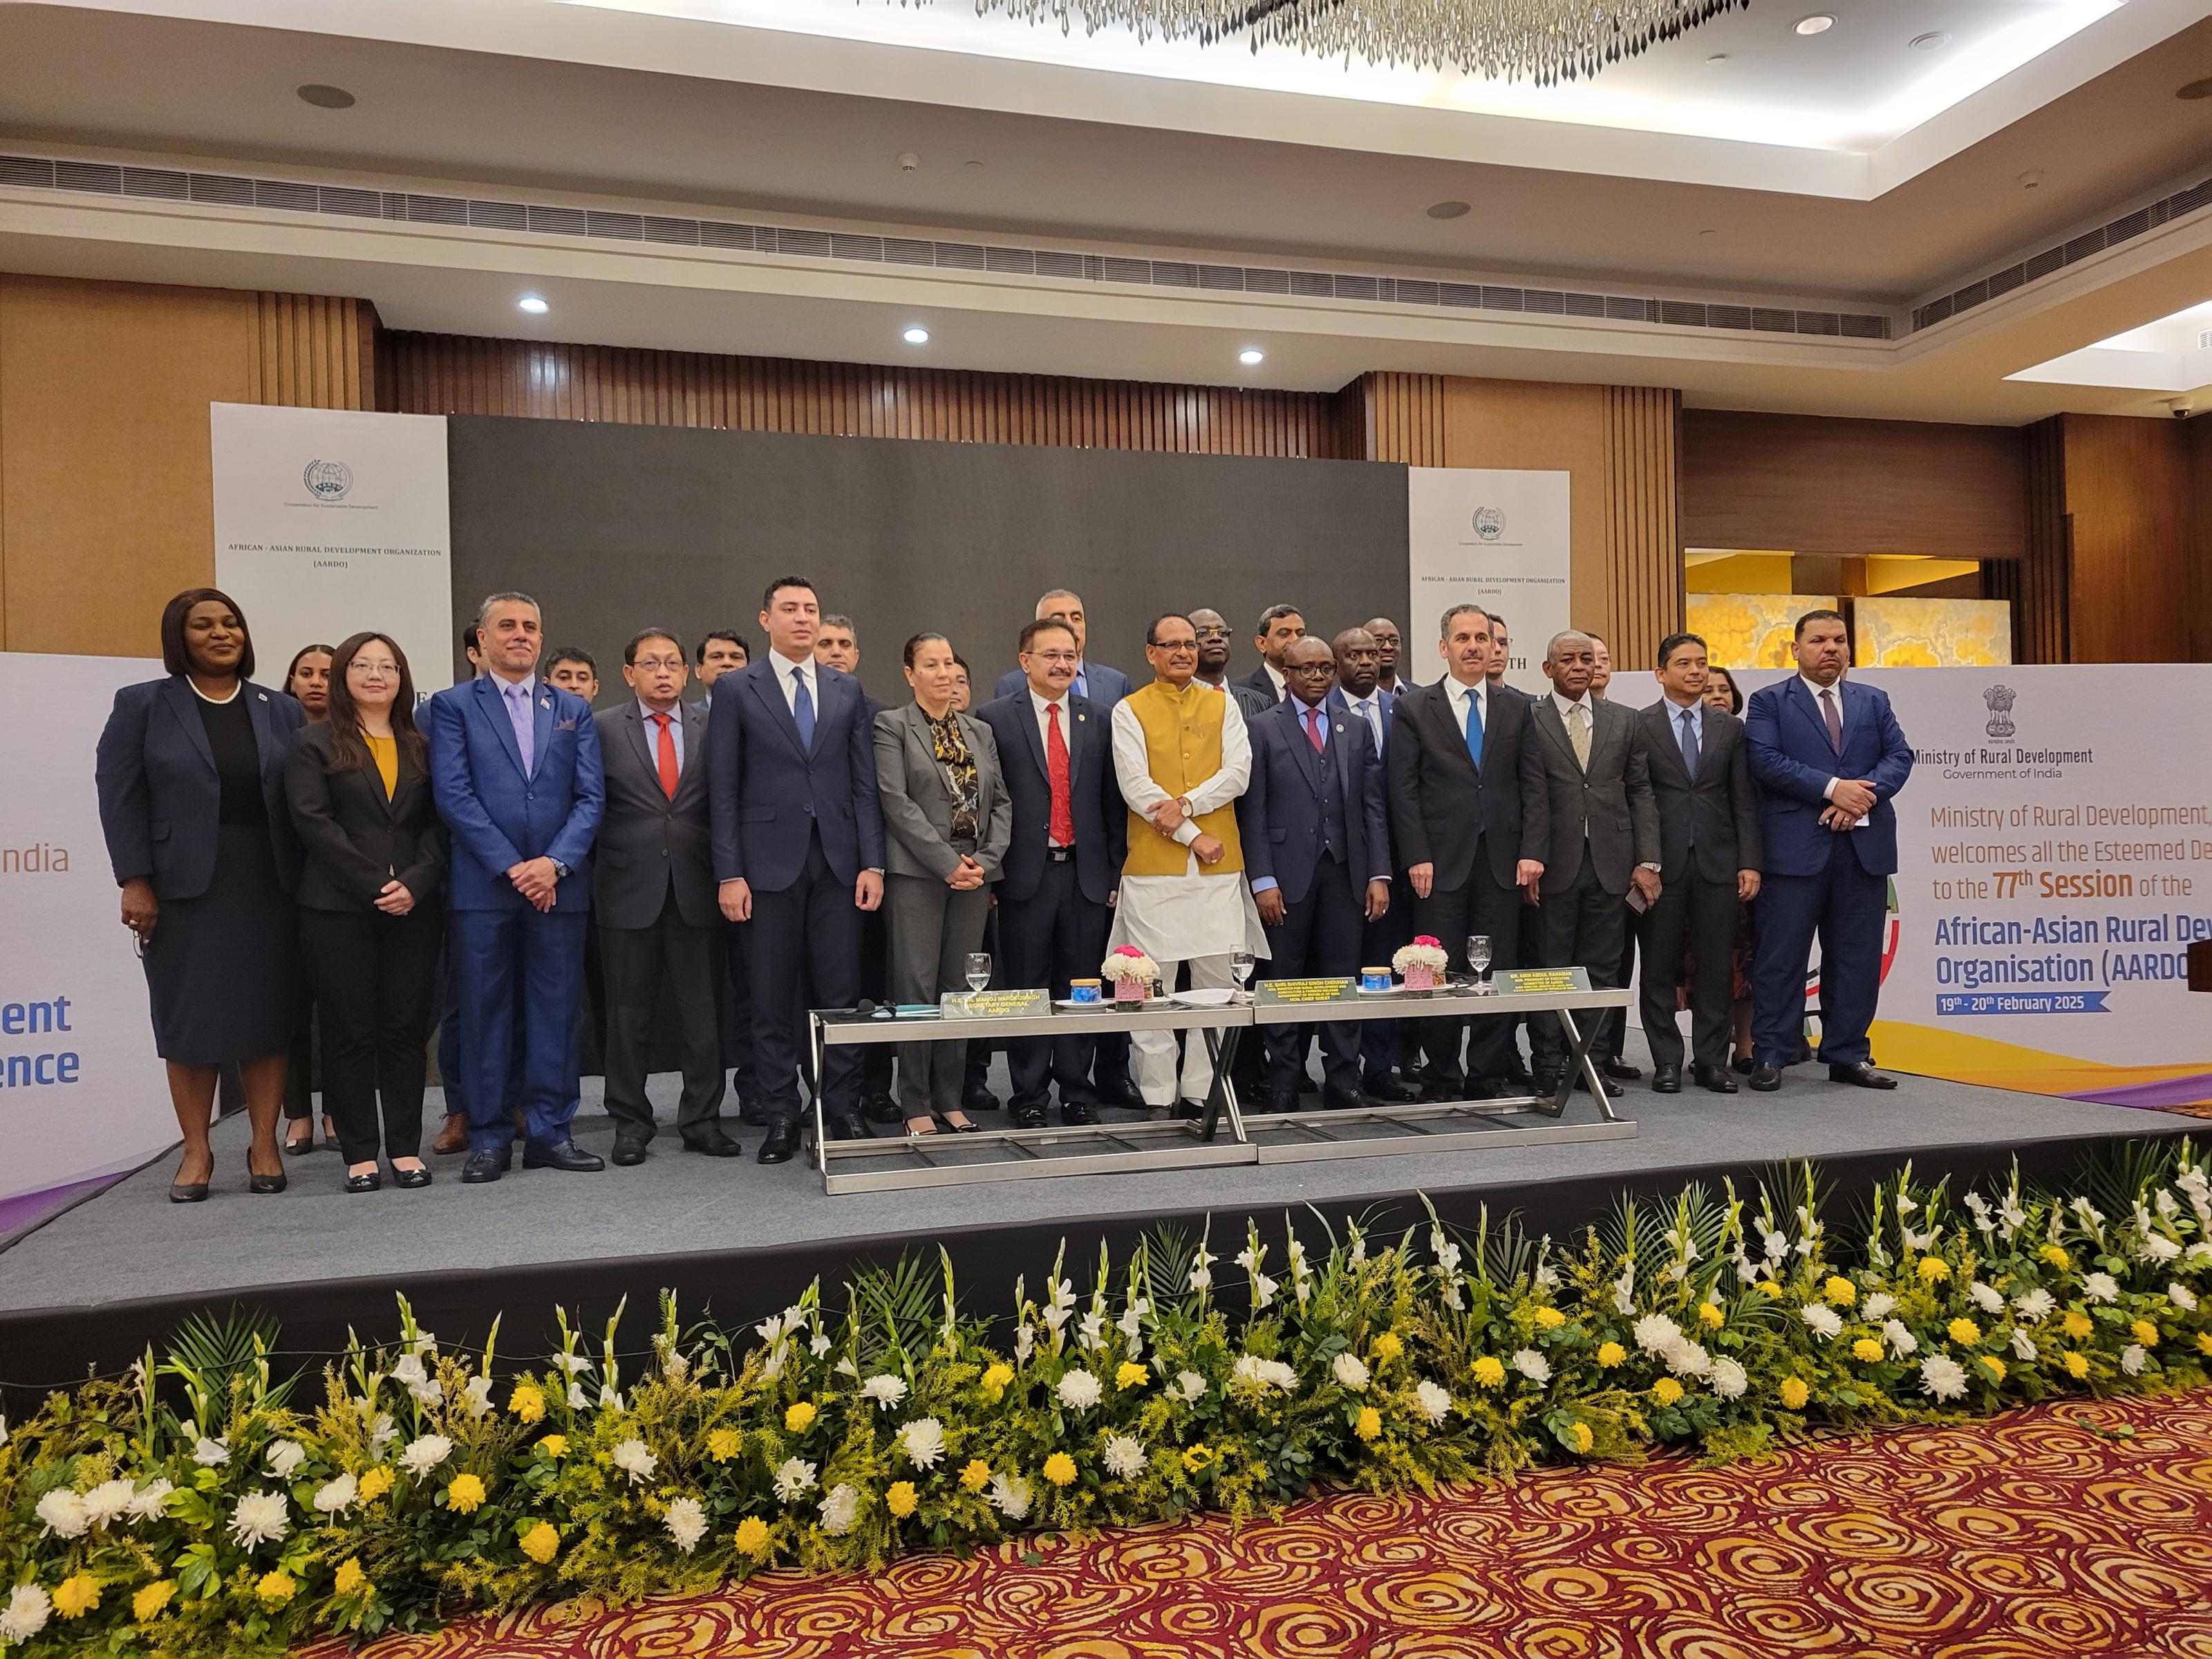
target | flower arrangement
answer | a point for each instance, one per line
(198, 1507)
(1132, 971)
(1420, 963)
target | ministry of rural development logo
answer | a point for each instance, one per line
(327, 481)
(1999, 698)
(1489, 522)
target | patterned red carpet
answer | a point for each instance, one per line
(2078, 1531)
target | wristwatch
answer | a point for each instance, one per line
(560, 870)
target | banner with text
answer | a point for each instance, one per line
(82, 1093)
(328, 522)
(1494, 538)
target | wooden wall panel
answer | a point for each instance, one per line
(1643, 525)
(1399, 417)
(2129, 519)
(2197, 434)
(1815, 484)
(2039, 583)
(311, 351)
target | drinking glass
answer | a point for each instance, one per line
(979, 970)
(1478, 959)
(1241, 965)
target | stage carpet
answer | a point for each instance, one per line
(2079, 1531)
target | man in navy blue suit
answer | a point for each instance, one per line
(1094, 681)
(515, 765)
(1360, 693)
(799, 849)
(1316, 838)
(1828, 756)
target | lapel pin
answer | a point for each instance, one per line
(265, 696)
(545, 703)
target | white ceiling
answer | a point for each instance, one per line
(2169, 356)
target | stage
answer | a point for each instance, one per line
(96, 1284)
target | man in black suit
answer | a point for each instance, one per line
(1359, 693)
(652, 894)
(1386, 652)
(1264, 687)
(1709, 854)
(1470, 820)
(1604, 834)
(1316, 842)
(722, 650)
(797, 848)
(1056, 750)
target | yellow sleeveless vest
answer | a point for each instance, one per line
(1183, 740)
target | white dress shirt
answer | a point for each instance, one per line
(1458, 694)
(789, 673)
(1274, 678)
(1369, 709)
(1813, 689)
(1583, 703)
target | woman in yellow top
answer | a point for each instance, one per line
(370, 925)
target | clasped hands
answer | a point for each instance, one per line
(1851, 800)
(1168, 815)
(534, 878)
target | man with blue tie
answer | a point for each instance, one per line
(515, 767)
(1094, 681)
(1828, 756)
(1359, 693)
(798, 848)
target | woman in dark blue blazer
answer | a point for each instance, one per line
(191, 773)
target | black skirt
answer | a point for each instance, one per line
(223, 968)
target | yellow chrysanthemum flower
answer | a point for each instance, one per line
(1368, 1424)
(465, 1496)
(1710, 1316)
(1793, 1394)
(1770, 1287)
(2057, 1256)
(1059, 1469)
(555, 1446)
(2204, 1342)
(76, 1595)
(1865, 1351)
(1388, 1347)
(1840, 1290)
(901, 1500)
(752, 1538)
(1934, 1269)
(1667, 1391)
(723, 1445)
(1198, 1456)
(1964, 1331)
(1549, 1319)
(2077, 1365)
(1489, 1372)
(2076, 1325)
(375, 1483)
(349, 1578)
(151, 1599)
(2146, 1332)
(1131, 1374)
(1610, 1354)
(527, 1403)
(997, 1379)
(1996, 1365)
(275, 1589)
(976, 1475)
(541, 1542)
(1584, 1437)
(799, 1418)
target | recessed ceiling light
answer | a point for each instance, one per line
(1447, 209)
(1819, 23)
(1251, 355)
(1709, 233)
(2030, 180)
(323, 97)
(1718, 57)
(1934, 41)
(2197, 89)
(534, 305)
(916, 336)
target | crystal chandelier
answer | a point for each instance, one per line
(1544, 41)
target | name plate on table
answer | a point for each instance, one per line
(994, 1004)
(1536, 981)
(1277, 992)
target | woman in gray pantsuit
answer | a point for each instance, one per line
(947, 820)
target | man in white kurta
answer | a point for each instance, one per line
(1182, 757)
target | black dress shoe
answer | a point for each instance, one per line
(560, 1155)
(1718, 1078)
(1612, 1088)
(1076, 1114)
(1741, 1065)
(847, 1126)
(1306, 1084)
(782, 1141)
(261, 1183)
(1347, 1100)
(1545, 1086)
(1618, 1070)
(1032, 1117)
(752, 1114)
(1122, 1092)
(1861, 1076)
(1666, 1079)
(1437, 1089)
(713, 1141)
(1389, 1090)
(188, 1192)
(486, 1166)
(978, 1099)
(410, 1178)
(1765, 1079)
(629, 1150)
(1188, 1110)
(370, 1182)
(882, 1108)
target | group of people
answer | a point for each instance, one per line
(719, 865)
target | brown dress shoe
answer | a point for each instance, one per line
(454, 1137)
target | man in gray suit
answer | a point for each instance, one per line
(1604, 834)
(1709, 854)
(653, 895)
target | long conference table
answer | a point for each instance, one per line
(1223, 1134)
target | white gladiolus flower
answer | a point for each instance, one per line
(410, 1372)
(673, 1366)
(1025, 1343)
(2100, 1287)
(1201, 1279)
(2157, 1247)
(578, 1400)
(1080, 1391)
(1943, 1378)
(1189, 1386)
(1091, 1330)
(2034, 1306)
(1655, 1334)
(25, 1614)
(1728, 1379)
(211, 1454)
(151, 1501)
(1009, 1495)
(64, 1513)
(1776, 1244)
(2181, 1296)
(4, 1416)
(1124, 1457)
(635, 1460)
(2133, 1359)
(923, 1442)
(1263, 1289)
(610, 1398)
(840, 1509)
(884, 1389)
(2023, 1345)
(1901, 1341)
(1624, 1290)
(478, 1395)
(1446, 1252)
(284, 1457)
(794, 1479)
(817, 1345)
(1879, 1305)
(1822, 1318)
(336, 1497)
(1435, 1402)
(2012, 1216)
(1983, 1297)
(260, 1518)
(1350, 1372)
(1532, 1364)
(425, 1455)
(107, 1501)
(1547, 1277)
(574, 1364)
(686, 1522)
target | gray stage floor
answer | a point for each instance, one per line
(131, 1241)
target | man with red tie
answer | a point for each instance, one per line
(654, 892)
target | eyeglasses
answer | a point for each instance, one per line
(652, 664)
(1310, 668)
(1175, 646)
(1213, 633)
(1055, 656)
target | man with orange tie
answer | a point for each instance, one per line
(654, 894)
